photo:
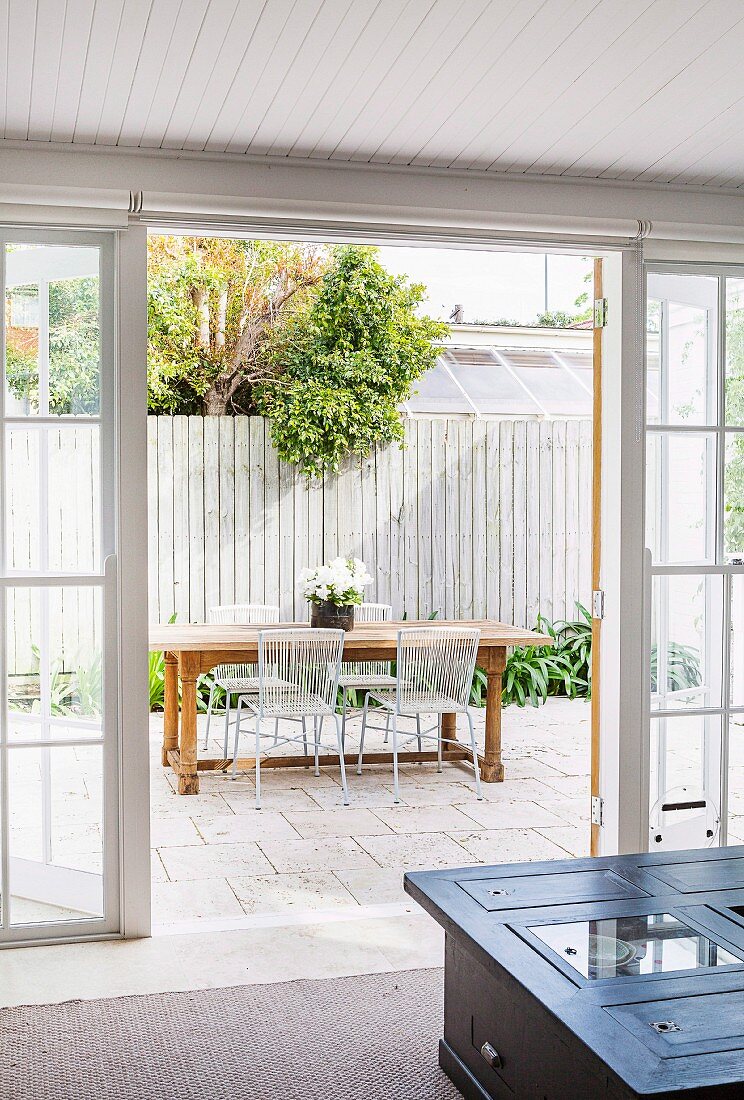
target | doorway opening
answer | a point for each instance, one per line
(483, 513)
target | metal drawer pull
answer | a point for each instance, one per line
(492, 1056)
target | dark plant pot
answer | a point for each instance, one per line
(330, 615)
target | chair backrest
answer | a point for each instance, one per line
(241, 614)
(373, 612)
(370, 613)
(308, 659)
(435, 666)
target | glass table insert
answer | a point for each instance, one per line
(633, 946)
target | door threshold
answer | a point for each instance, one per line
(287, 919)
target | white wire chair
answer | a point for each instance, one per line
(434, 666)
(298, 670)
(365, 675)
(241, 678)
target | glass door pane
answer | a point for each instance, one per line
(58, 723)
(688, 644)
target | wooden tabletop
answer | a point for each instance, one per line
(184, 637)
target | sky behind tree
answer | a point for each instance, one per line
(491, 285)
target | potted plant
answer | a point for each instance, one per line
(333, 590)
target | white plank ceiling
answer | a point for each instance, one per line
(648, 90)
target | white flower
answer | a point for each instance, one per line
(340, 581)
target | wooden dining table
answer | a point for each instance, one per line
(193, 649)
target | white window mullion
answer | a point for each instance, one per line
(43, 338)
(4, 787)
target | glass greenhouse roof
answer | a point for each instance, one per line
(495, 381)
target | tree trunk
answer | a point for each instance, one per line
(219, 338)
(216, 401)
(201, 303)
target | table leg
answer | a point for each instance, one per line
(492, 770)
(188, 778)
(170, 705)
(449, 727)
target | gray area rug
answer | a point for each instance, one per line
(363, 1038)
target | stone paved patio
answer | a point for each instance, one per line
(218, 860)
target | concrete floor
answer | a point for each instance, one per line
(219, 863)
(307, 888)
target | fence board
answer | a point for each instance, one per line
(242, 510)
(452, 523)
(480, 572)
(559, 519)
(256, 505)
(181, 517)
(438, 498)
(519, 550)
(573, 584)
(532, 531)
(227, 518)
(165, 517)
(506, 539)
(410, 519)
(197, 600)
(546, 519)
(424, 515)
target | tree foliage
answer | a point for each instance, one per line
(74, 348)
(734, 474)
(212, 305)
(344, 363)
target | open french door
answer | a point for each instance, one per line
(694, 576)
(59, 779)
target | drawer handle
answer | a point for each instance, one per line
(492, 1056)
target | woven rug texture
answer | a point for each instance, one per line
(372, 1037)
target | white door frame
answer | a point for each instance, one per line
(131, 329)
(106, 582)
(622, 735)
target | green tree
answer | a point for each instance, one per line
(212, 304)
(343, 364)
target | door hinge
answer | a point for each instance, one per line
(598, 604)
(597, 810)
(600, 312)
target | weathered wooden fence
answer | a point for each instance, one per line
(471, 518)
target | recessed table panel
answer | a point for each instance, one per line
(708, 874)
(679, 1025)
(633, 946)
(566, 888)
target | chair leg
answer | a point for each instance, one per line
(304, 736)
(317, 728)
(439, 743)
(364, 727)
(343, 717)
(418, 731)
(478, 791)
(387, 729)
(396, 796)
(258, 763)
(340, 739)
(227, 723)
(238, 720)
(209, 715)
(276, 731)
